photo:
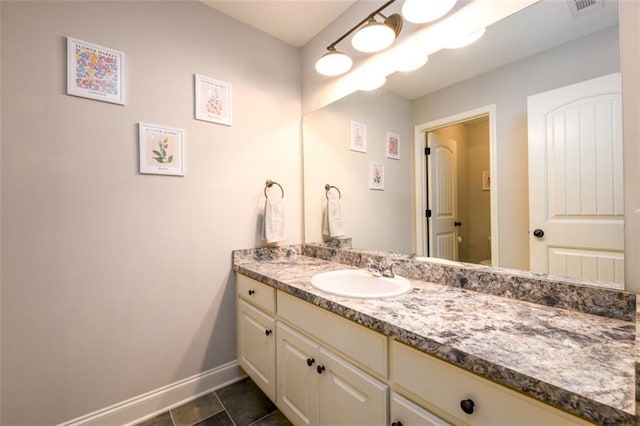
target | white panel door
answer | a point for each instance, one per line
(297, 376)
(348, 396)
(257, 347)
(443, 196)
(575, 181)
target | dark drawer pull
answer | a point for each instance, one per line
(467, 405)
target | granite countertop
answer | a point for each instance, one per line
(581, 363)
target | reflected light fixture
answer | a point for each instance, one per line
(410, 64)
(467, 40)
(422, 11)
(372, 83)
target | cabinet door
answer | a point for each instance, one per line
(406, 413)
(257, 347)
(348, 396)
(297, 395)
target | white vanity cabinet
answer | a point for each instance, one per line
(315, 386)
(256, 333)
(321, 368)
(467, 397)
(407, 413)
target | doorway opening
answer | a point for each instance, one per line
(456, 213)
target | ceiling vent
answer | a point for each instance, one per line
(582, 7)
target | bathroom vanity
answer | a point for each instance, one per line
(440, 354)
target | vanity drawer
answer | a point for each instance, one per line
(444, 386)
(364, 346)
(257, 293)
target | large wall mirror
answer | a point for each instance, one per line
(476, 96)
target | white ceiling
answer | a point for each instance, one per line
(292, 21)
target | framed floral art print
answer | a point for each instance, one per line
(212, 100)
(161, 150)
(95, 72)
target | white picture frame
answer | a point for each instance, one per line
(162, 150)
(95, 72)
(376, 175)
(358, 137)
(213, 101)
(393, 146)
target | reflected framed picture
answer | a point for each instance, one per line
(161, 150)
(376, 175)
(358, 139)
(212, 100)
(486, 181)
(393, 146)
(95, 72)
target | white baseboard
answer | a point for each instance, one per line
(147, 405)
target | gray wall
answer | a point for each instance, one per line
(508, 88)
(115, 283)
(376, 220)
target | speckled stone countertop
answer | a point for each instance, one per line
(581, 363)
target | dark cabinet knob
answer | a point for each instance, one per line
(320, 369)
(310, 361)
(251, 292)
(457, 224)
(538, 233)
(467, 405)
(396, 424)
(268, 332)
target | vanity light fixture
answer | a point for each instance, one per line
(376, 32)
(371, 36)
(333, 62)
(375, 36)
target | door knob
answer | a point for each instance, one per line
(310, 361)
(457, 224)
(268, 332)
(320, 369)
(538, 233)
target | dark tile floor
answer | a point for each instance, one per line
(240, 404)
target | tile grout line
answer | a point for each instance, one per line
(215, 393)
(264, 417)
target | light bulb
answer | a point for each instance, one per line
(333, 63)
(373, 37)
(421, 11)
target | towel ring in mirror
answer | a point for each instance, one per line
(269, 184)
(327, 187)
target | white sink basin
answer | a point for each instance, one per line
(359, 283)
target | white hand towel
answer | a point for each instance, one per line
(332, 224)
(273, 223)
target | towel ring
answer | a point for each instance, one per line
(269, 184)
(327, 187)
